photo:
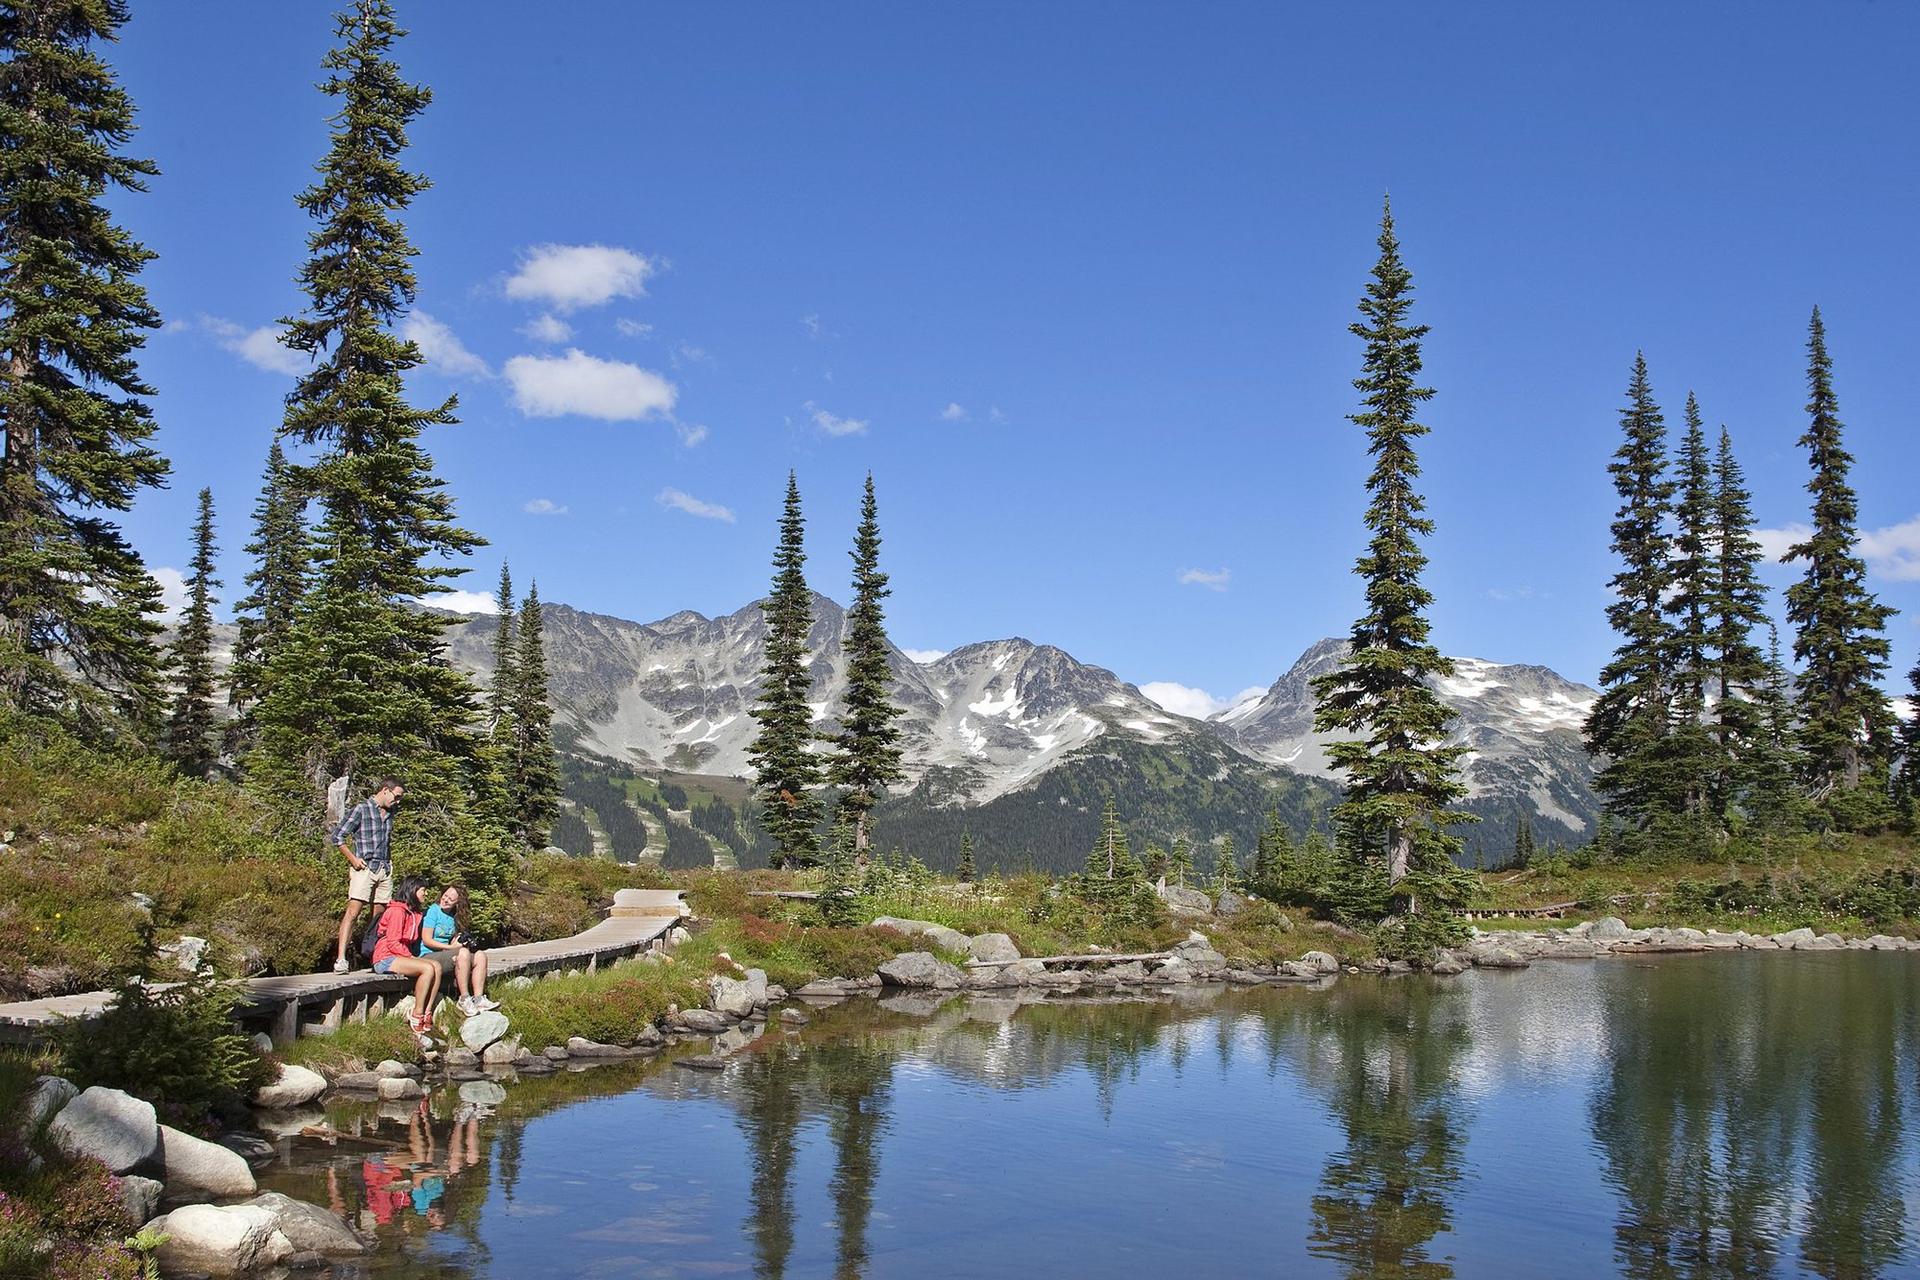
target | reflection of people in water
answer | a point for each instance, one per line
(393, 1186)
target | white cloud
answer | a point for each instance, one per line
(633, 328)
(691, 434)
(173, 593)
(1185, 700)
(834, 425)
(571, 276)
(954, 412)
(1211, 579)
(685, 353)
(544, 507)
(260, 347)
(577, 383)
(994, 414)
(462, 601)
(445, 353)
(924, 656)
(1892, 552)
(547, 327)
(678, 501)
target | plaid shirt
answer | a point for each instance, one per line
(372, 830)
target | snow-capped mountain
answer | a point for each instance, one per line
(1521, 725)
(677, 693)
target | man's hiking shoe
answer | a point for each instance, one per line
(340, 965)
(469, 1006)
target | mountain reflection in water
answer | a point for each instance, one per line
(1716, 1116)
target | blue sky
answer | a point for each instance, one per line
(1073, 281)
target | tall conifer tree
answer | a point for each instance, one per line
(1738, 605)
(1840, 638)
(1907, 783)
(533, 771)
(867, 758)
(1691, 747)
(190, 728)
(1400, 777)
(1629, 725)
(967, 872)
(374, 692)
(786, 770)
(501, 689)
(77, 635)
(264, 616)
(1180, 862)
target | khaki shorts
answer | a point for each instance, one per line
(368, 885)
(445, 957)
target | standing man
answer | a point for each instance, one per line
(365, 837)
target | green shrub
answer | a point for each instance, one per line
(177, 1048)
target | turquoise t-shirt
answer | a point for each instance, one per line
(439, 926)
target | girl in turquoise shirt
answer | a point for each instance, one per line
(444, 938)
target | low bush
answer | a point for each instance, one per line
(612, 1006)
(354, 1046)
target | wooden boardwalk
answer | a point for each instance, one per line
(319, 1002)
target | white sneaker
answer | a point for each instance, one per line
(467, 1006)
(481, 1004)
(340, 965)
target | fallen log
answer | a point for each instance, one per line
(1097, 957)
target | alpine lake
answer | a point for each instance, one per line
(1738, 1115)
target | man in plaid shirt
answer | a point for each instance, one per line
(365, 837)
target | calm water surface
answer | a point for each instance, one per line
(1695, 1116)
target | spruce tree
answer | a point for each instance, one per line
(1226, 872)
(190, 728)
(867, 758)
(77, 635)
(1772, 765)
(1840, 638)
(1692, 752)
(1630, 723)
(533, 772)
(967, 872)
(1907, 782)
(500, 691)
(1180, 862)
(1273, 858)
(1738, 604)
(1400, 778)
(375, 695)
(264, 616)
(1523, 841)
(786, 771)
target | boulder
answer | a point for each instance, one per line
(649, 1037)
(1230, 903)
(388, 1068)
(757, 986)
(1792, 938)
(1609, 929)
(358, 1081)
(501, 1052)
(115, 1128)
(48, 1095)
(1496, 957)
(1446, 964)
(821, 988)
(399, 1088)
(1022, 973)
(1238, 977)
(1183, 901)
(200, 1170)
(1297, 971)
(1757, 942)
(729, 996)
(1822, 942)
(220, 1240)
(251, 1147)
(1131, 971)
(580, 1047)
(1566, 948)
(992, 946)
(1322, 961)
(921, 969)
(554, 1053)
(294, 1086)
(461, 1058)
(705, 1021)
(938, 934)
(483, 1029)
(1202, 959)
(309, 1228)
(1719, 941)
(483, 1093)
(1174, 970)
(140, 1196)
(519, 982)
(1878, 942)
(187, 954)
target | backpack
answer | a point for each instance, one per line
(371, 938)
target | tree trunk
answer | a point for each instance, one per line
(1399, 855)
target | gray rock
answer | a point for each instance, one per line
(775, 992)
(1446, 964)
(251, 1147)
(309, 1228)
(1880, 942)
(1572, 949)
(1174, 970)
(519, 982)
(579, 1047)
(1483, 957)
(649, 1037)
(938, 934)
(140, 1196)
(821, 987)
(1131, 971)
(1609, 929)
(992, 946)
(294, 1086)
(399, 1088)
(1230, 903)
(729, 996)
(483, 1029)
(1184, 901)
(1792, 938)
(704, 1021)
(554, 1053)
(1202, 959)
(1822, 942)
(1023, 973)
(921, 969)
(358, 1081)
(200, 1170)
(757, 986)
(483, 1093)
(117, 1129)
(188, 954)
(262, 1042)
(220, 1240)
(1757, 943)
(1322, 961)
(1238, 977)
(48, 1095)
(390, 1067)
(461, 1058)
(1718, 941)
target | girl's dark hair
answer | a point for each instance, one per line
(460, 908)
(410, 891)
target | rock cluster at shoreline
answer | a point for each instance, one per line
(1610, 935)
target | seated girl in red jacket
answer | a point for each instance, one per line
(395, 944)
